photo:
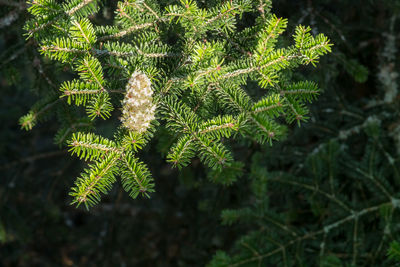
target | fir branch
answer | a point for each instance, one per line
(28, 121)
(182, 152)
(79, 6)
(127, 31)
(90, 146)
(315, 190)
(198, 71)
(136, 178)
(309, 235)
(97, 179)
(60, 14)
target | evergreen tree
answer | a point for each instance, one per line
(297, 201)
(188, 65)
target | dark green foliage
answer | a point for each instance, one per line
(283, 202)
(394, 251)
(336, 203)
(199, 67)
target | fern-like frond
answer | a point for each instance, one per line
(82, 31)
(182, 152)
(97, 179)
(213, 153)
(100, 106)
(135, 176)
(89, 146)
(218, 127)
(79, 92)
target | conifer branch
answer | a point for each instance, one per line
(97, 180)
(127, 31)
(59, 14)
(28, 121)
(310, 235)
(182, 71)
(316, 190)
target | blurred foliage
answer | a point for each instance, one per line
(287, 200)
(330, 193)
